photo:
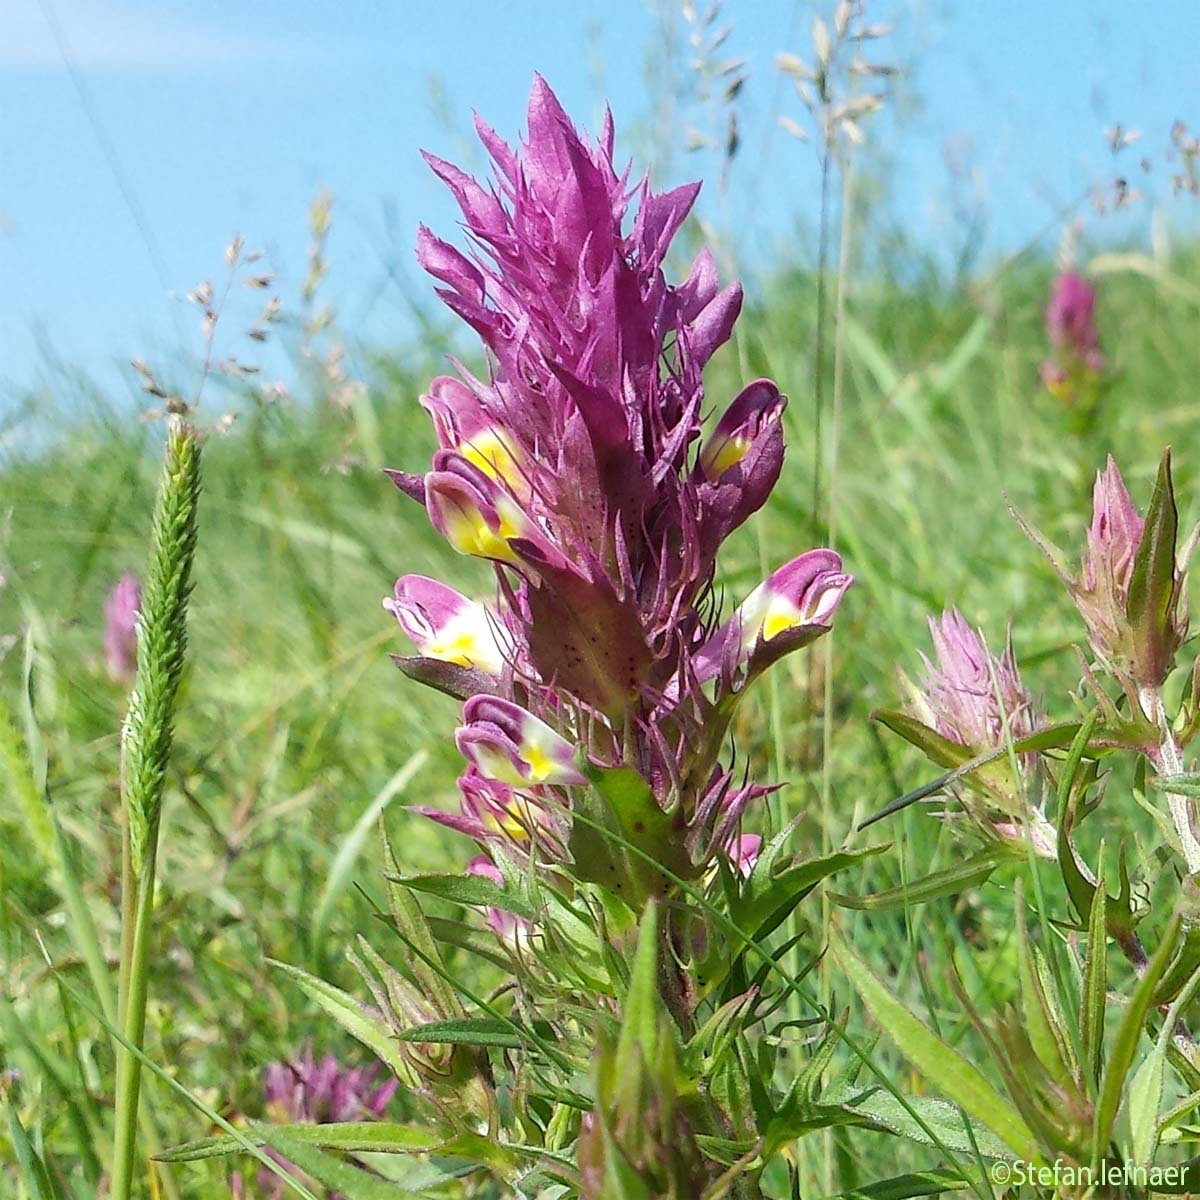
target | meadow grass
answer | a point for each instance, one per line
(293, 723)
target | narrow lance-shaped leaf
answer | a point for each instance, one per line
(940, 1063)
(1124, 1045)
(375, 1137)
(1040, 1023)
(355, 1018)
(1152, 584)
(968, 873)
(1146, 1090)
(1095, 982)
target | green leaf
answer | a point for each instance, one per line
(375, 1137)
(878, 1108)
(468, 1031)
(1146, 1090)
(901, 1187)
(1124, 1045)
(349, 1181)
(767, 900)
(1095, 982)
(937, 748)
(475, 890)
(1043, 1024)
(34, 1176)
(1152, 583)
(642, 1005)
(1052, 737)
(1181, 785)
(621, 802)
(1180, 971)
(353, 1016)
(1077, 884)
(941, 1064)
(969, 873)
(425, 964)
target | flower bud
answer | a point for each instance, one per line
(511, 745)
(446, 625)
(960, 695)
(974, 699)
(757, 408)
(1129, 587)
(507, 926)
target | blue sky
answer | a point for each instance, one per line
(201, 120)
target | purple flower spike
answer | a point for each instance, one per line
(576, 463)
(507, 743)
(325, 1092)
(1071, 315)
(304, 1091)
(445, 625)
(1076, 360)
(959, 690)
(120, 628)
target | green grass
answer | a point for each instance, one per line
(293, 721)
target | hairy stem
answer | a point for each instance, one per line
(1168, 762)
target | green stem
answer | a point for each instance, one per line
(134, 989)
(87, 942)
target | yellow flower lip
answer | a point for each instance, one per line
(494, 452)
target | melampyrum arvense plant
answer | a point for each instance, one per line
(146, 751)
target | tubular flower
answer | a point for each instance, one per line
(507, 744)
(792, 607)
(578, 467)
(446, 626)
(120, 628)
